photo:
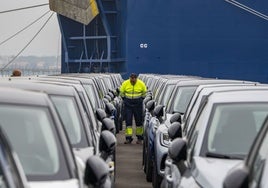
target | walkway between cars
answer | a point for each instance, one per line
(129, 172)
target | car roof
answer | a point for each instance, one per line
(232, 87)
(18, 96)
(39, 86)
(84, 80)
(206, 81)
(254, 95)
(207, 89)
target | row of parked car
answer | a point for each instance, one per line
(59, 131)
(203, 132)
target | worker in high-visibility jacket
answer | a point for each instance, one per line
(133, 92)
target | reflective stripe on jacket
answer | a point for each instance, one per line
(133, 91)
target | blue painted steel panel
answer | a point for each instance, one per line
(211, 38)
(96, 47)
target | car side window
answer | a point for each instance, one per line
(259, 163)
(91, 95)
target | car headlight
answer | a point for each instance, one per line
(165, 139)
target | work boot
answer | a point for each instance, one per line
(139, 141)
(128, 141)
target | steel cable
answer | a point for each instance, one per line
(28, 42)
(23, 8)
(23, 29)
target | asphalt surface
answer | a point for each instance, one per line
(129, 171)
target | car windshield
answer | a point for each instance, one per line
(234, 126)
(71, 120)
(166, 94)
(91, 95)
(33, 136)
(181, 99)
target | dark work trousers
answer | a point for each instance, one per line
(133, 107)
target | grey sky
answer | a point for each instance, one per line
(46, 43)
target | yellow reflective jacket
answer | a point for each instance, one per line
(133, 91)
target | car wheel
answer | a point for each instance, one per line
(149, 164)
(144, 155)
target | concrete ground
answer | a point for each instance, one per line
(129, 172)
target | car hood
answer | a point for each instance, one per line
(73, 183)
(210, 172)
(162, 128)
(84, 153)
(167, 121)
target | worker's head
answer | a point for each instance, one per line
(16, 72)
(133, 78)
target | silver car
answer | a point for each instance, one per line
(219, 139)
(178, 102)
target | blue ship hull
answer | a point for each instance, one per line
(210, 38)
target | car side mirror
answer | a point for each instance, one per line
(146, 100)
(239, 178)
(175, 117)
(108, 124)
(159, 111)
(108, 97)
(109, 109)
(178, 150)
(111, 95)
(107, 142)
(150, 105)
(105, 100)
(100, 114)
(149, 93)
(175, 130)
(96, 172)
(114, 92)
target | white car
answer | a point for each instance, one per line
(222, 132)
(178, 102)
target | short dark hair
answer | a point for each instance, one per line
(16, 72)
(133, 75)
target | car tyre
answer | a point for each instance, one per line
(144, 155)
(149, 164)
